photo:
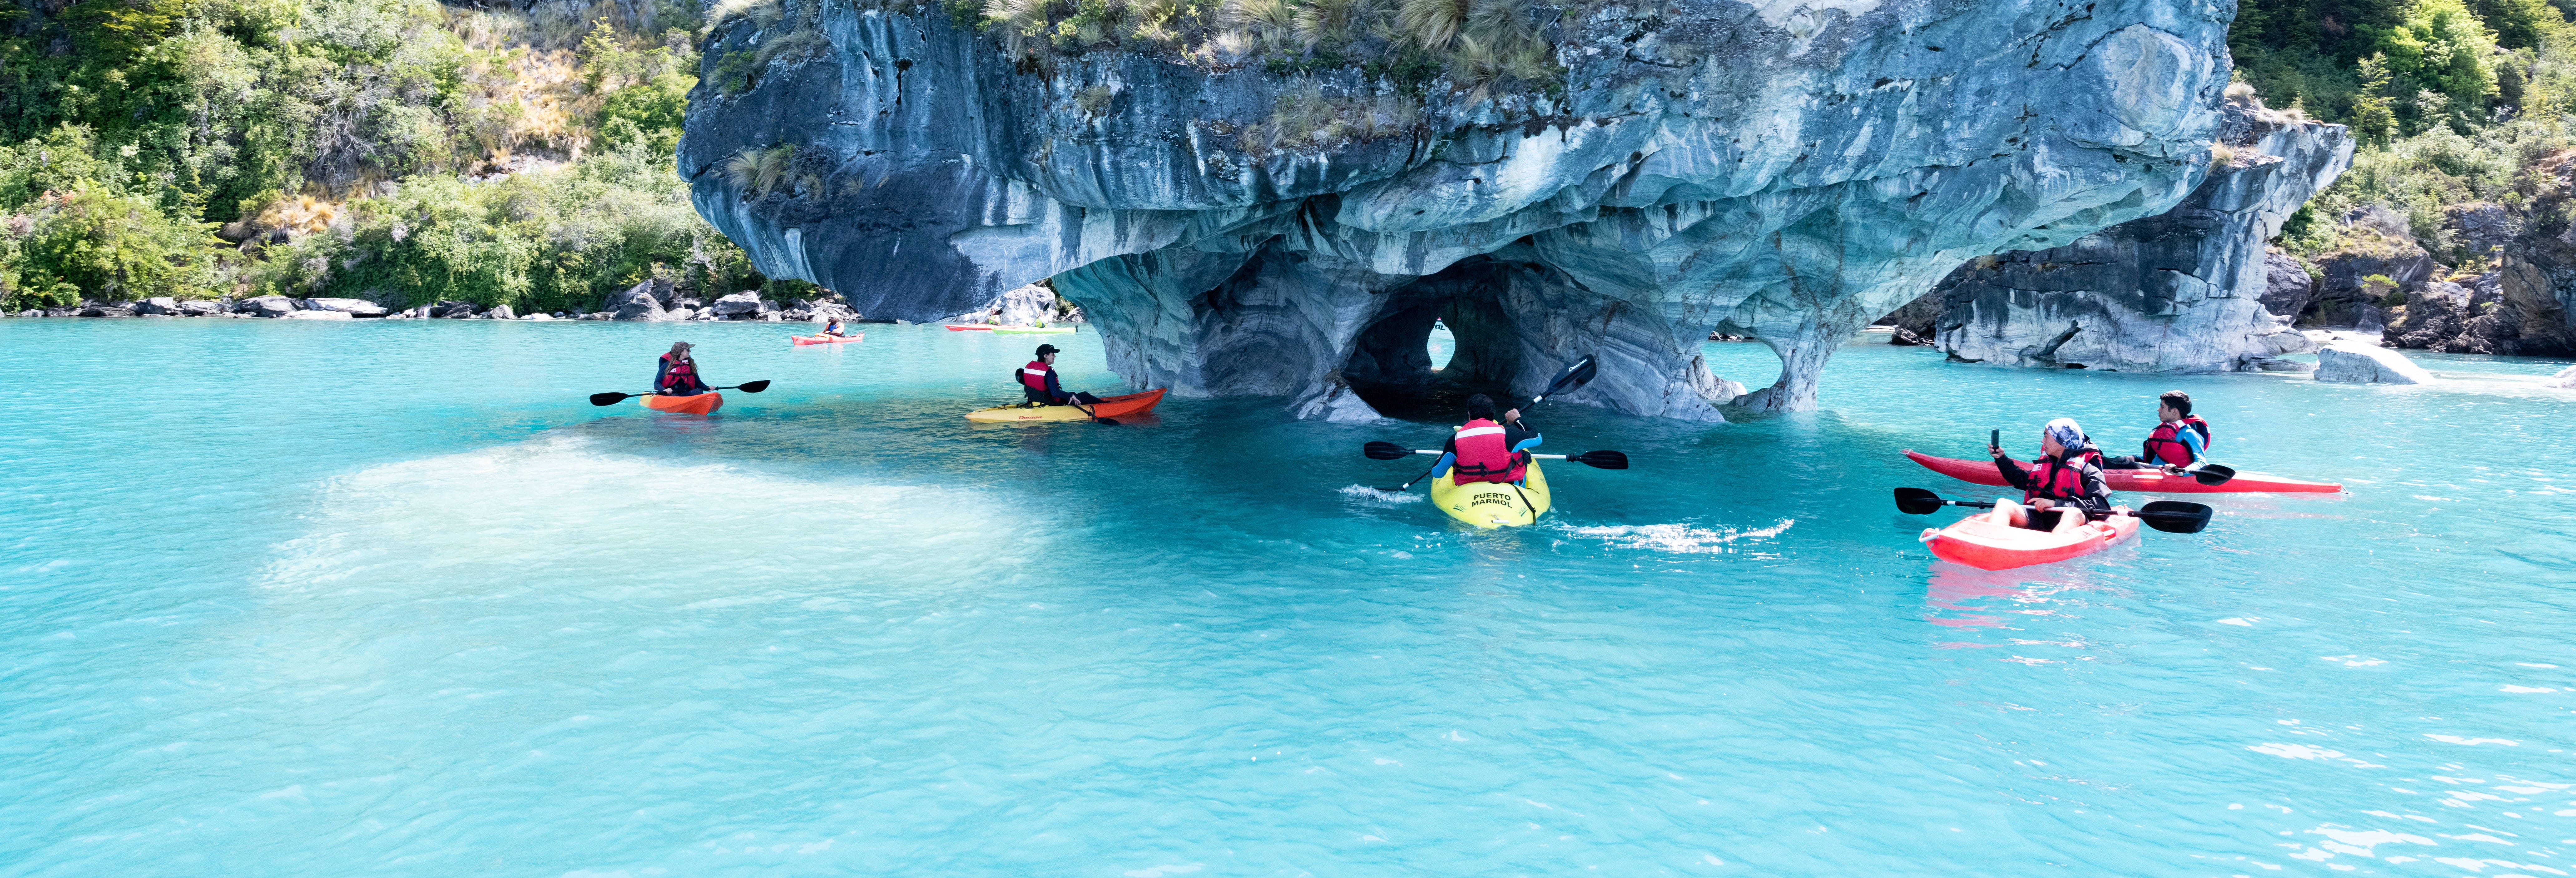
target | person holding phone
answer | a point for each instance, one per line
(2068, 474)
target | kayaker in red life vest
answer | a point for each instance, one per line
(1039, 381)
(2067, 474)
(2179, 443)
(678, 374)
(1486, 448)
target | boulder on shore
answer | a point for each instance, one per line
(351, 307)
(450, 309)
(501, 312)
(200, 308)
(745, 302)
(317, 315)
(269, 306)
(162, 305)
(2347, 362)
(637, 303)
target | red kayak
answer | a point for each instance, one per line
(826, 339)
(1979, 542)
(955, 327)
(685, 405)
(2146, 481)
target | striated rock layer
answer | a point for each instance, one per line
(2181, 291)
(1788, 169)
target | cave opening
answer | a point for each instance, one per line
(1436, 341)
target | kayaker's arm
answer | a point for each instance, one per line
(1055, 389)
(2014, 475)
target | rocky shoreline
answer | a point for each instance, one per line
(652, 301)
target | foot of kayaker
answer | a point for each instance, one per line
(1487, 448)
(2179, 443)
(2068, 474)
(678, 373)
(1038, 380)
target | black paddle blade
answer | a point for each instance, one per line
(1602, 459)
(755, 386)
(1387, 451)
(608, 398)
(1916, 501)
(1573, 377)
(2175, 516)
(2213, 475)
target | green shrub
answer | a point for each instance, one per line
(92, 243)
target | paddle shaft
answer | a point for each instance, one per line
(596, 397)
(2160, 516)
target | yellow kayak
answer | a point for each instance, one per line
(1492, 504)
(1109, 407)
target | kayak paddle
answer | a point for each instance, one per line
(1594, 459)
(615, 398)
(1095, 416)
(2170, 516)
(2212, 474)
(1579, 374)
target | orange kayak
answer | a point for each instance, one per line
(1979, 542)
(1109, 407)
(685, 405)
(819, 338)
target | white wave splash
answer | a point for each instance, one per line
(1681, 538)
(1366, 495)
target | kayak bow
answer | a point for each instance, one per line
(683, 405)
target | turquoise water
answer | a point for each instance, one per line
(390, 599)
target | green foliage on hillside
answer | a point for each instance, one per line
(2455, 102)
(332, 141)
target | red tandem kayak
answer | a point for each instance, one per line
(955, 327)
(1979, 542)
(2149, 481)
(826, 339)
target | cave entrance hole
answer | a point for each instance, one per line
(1437, 340)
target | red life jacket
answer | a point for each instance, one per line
(680, 376)
(2165, 437)
(1485, 455)
(1034, 377)
(2058, 480)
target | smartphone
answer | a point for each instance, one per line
(1995, 439)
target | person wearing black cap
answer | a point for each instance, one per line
(1038, 379)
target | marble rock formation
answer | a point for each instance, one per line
(2287, 287)
(2183, 291)
(2346, 362)
(1026, 305)
(1785, 169)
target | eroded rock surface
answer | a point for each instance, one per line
(2186, 290)
(1787, 170)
